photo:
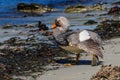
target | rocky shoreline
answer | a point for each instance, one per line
(26, 56)
(34, 53)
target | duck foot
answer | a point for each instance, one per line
(77, 58)
(95, 60)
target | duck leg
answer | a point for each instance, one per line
(77, 58)
(95, 60)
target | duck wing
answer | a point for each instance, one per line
(91, 47)
(62, 39)
(87, 41)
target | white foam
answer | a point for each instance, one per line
(84, 35)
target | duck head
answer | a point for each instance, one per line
(61, 23)
(59, 29)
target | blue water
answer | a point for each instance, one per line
(7, 5)
(14, 2)
(10, 15)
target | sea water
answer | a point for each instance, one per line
(10, 15)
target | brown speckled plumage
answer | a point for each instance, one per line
(91, 45)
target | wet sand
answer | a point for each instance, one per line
(85, 72)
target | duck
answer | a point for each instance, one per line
(77, 41)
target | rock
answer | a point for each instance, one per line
(97, 7)
(89, 15)
(90, 22)
(42, 26)
(114, 11)
(33, 8)
(108, 29)
(81, 8)
(7, 26)
(76, 8)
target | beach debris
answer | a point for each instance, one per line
(26, 56)
(108, 29)
(107, 72)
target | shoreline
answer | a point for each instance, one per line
(85, 72)
(81, 71)
(25, 44)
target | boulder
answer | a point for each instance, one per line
(82, 8)
(34, 8)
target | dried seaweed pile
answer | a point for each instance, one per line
(21, 57)
(108, 29)
(114, 11)
(107, 72)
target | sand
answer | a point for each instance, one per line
(85, 71)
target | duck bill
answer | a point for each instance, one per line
(54, 26)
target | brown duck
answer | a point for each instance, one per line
(77, 41)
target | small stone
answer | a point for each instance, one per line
(7, 26)
(90, 22)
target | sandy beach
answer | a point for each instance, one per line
(85, 72)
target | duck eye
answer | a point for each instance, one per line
(57, 23)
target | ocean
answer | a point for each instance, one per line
(10, 15)
(10, 5)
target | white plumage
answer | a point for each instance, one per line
(84, 35)
(64, 22)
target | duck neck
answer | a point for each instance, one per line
(59, 31)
